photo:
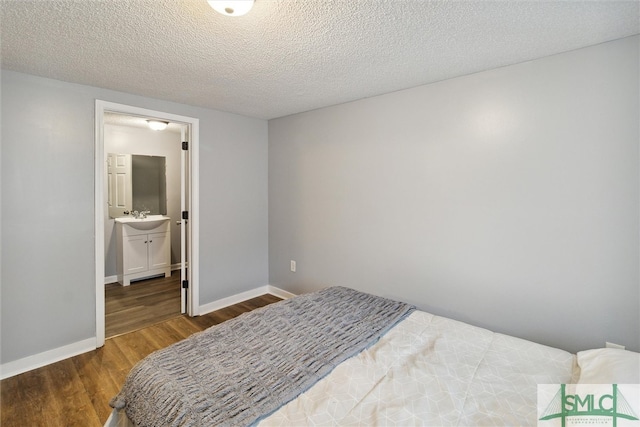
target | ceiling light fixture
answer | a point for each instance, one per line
(231, 7)
(157, 124)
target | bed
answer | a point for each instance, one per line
(343, 357)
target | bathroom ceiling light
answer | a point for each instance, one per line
(157, 124)
(231, 7)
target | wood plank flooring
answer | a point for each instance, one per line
(141, 304)
(76, 391)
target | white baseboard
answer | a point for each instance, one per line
(39, 360)
(280, 293)
(110, 279)
(243, 296)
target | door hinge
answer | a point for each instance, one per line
(185, 214)
(185, 284)
(185, 145)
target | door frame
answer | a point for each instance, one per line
(193, 186)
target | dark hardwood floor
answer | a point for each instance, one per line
(76, 391)
(141, 304)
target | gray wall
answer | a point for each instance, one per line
(48, 273)
(508, 199)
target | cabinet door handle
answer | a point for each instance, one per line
(145, 241)
(150, 241)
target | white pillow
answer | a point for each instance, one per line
(609, 366)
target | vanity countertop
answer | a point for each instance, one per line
(148, 218)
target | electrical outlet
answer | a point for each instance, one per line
(293, 266)
(612, 345)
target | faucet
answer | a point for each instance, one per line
(140, 215)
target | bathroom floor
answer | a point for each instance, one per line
(142, 304)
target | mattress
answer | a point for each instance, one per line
(429, 370)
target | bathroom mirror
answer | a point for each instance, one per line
(136, 183)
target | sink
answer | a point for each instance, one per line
(148, 223)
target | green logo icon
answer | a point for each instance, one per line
(565, 405)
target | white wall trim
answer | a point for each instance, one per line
(100, 205)
(280, 293)
(48, 357)
(243, 296)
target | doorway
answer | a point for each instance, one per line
(143, 174)
(188, 235)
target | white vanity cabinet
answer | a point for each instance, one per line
(143, 248)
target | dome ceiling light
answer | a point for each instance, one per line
(231, 7)
(157, 124)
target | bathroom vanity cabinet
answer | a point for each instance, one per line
(143, 248)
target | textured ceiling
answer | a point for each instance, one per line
(288, 56)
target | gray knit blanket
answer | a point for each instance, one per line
(244, 369)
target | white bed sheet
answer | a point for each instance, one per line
(429, 370)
